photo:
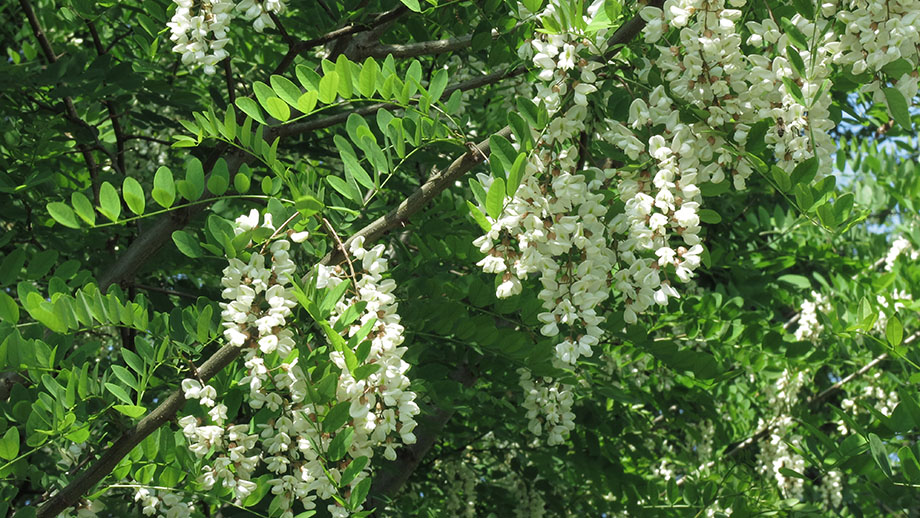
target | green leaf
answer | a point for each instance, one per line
(367, 79)
(228, 129)
(109, 201)
(898, 107)
(63, 214)
(347, 189)
(894, 332)
(909, 464)
(307, 101)
(796, 280)
(495, 199)
(219, 179)
(343, 68)
(9, 444)
(710, 216)
(132, 411)
(9, 310)
(805, 171)
(412, 5)
(119, 393)
(194, 180)
(125, 376)
(794, 34)
(354, 467)
(353, 168)
(793, 89)
(336, 417)
(805, 7)
(340, 444)
(83, 207)
(308, 205)
(479, 217)
(516, 173)
(285, 89)
(453, 102)
(134, 195)
(503, 150)
(277, 108)
(164, 187)
(187, 244)
(438, 84)
(530, 111)
(250, 108)
(879, 453)
(796, 60)
(359, 493)
(328, 87)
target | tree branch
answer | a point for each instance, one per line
(304, 45)
(113, 114)
(68, 102)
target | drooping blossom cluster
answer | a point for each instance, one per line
(879, 36)
(162, 502)
(872, 393)
(775, 452)
(555, 224)
(292, 444)
(199, 29)
(900, 246)
(809, 326)
(381, 405)
(460, 488)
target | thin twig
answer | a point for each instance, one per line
(110, 107)
(228, 76)
(71, 110)
(338, 241)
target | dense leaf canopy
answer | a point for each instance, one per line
(459, 258)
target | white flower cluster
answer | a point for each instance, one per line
(879, 33)
(809, 326)
(555, 224)
(883, 401)
(831, 489)
(382, 409)
(549, 406)
(85, 509)
(460, 486)
(775, 452)
(162, 503)
(530, 501)
(898, 247)
(898, 297)
(199, 29)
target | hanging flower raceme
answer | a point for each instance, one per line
(199, 30)
(308, 442)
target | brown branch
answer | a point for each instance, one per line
(302, 46)
(411, 50)
(68, 102)
(228, 77)
(110, 107)
(436, 184)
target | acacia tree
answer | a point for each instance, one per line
(269, 258)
